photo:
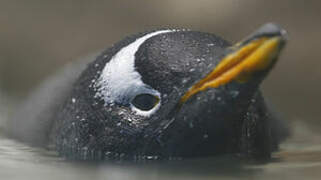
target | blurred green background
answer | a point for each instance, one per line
(37, 37)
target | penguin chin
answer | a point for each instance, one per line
(206, 124)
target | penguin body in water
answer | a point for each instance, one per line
(161, 94)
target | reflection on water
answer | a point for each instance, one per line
(299, 158)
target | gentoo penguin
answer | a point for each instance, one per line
(157, 95)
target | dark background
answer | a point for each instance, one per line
(38, 36)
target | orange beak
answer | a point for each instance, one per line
(240, 64)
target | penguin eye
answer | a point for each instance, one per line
(145, 102)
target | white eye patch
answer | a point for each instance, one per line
(120, 82)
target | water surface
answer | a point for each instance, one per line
(299, 158)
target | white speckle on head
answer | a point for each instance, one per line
(119, 82)
(73, 100)
(205, 136)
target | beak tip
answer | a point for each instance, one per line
(272, 29)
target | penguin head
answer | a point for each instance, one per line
(165, 93)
